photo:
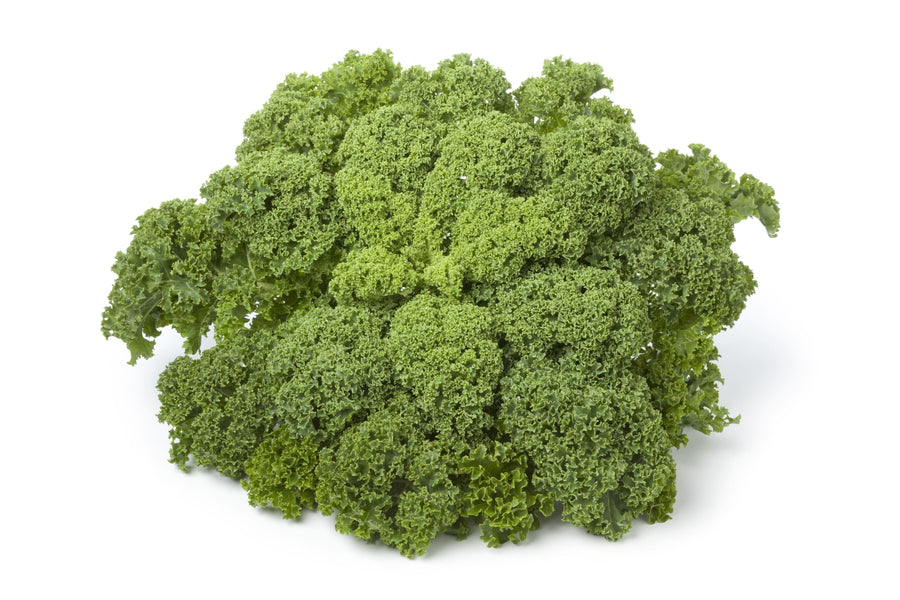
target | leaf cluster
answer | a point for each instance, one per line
(438, 303)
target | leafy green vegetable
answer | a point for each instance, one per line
(439, 304)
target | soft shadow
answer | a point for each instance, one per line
(756, 354)
(757, 357)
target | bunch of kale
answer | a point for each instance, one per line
(437, 303)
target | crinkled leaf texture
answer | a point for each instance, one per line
(440, 304)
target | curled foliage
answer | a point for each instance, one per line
(438, 303)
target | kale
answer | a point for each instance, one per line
(437, 303)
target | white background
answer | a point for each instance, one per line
(109, 109)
